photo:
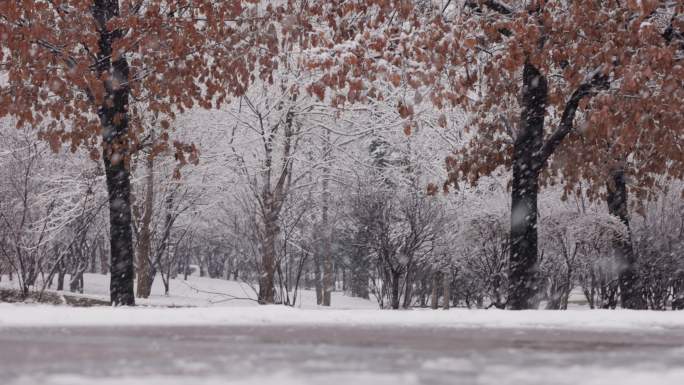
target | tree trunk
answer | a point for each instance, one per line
(121, 238)
(113, 114)
(345, 283)
(76, 282)
(408, 288)
(145, 277)
(203, 266)
(167, 283)
(396, 277)
(567, 288)
(164, 247)
(386, 287)
(61, 272)
(328, 277)
(554, 298)
(423, 290)
(104, 263)
(446, 284)
(677, 292)
(522, 275)
(631, 294)
(93, 258)
(266, 281)
(77, 268)
(359, 275)
(318, 280)
(186, 267)
(434, 299)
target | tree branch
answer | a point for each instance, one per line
(491, 4)
(597, 81)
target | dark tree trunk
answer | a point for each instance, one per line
(359, 276)
(677, 292)
(121, 239)
(203, 267)
(345, 282)
(530, 153)
(446, 284)
(166, 282)
(104, 262)
(631, 293)
(385, 289)
(434, 298)
(318, 280)
(113, 114)
(522, 275)
(76, 283)
(93, 258)
(266, 281)
(78, 266)
(408, 288)
(396, 277)
(61, 272)
(422, 302)
(328, 279)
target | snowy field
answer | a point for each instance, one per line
(225, 340)
(199, 291)
(206, 301)
(596, 320)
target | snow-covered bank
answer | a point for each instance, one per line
(37, 316)
(222, 302)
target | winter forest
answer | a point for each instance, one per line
(476, 156)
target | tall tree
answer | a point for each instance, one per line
(75, 67)
(145, 269)
(635, 140)
(509, 65)
(614, 47)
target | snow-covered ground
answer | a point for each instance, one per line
(226, 340)
(45, 315)
(206, 301)
(200, 291)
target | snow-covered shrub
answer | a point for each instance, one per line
(575, 249)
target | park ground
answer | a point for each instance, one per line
(214, 340)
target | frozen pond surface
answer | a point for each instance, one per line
(329, 355)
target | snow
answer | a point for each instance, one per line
(206, 301)
(45, 315)
(202, 291)
(237, 342)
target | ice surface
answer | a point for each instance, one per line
(337, 354)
